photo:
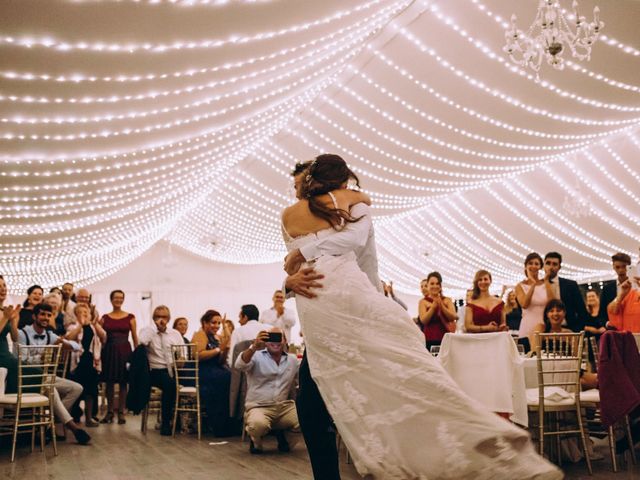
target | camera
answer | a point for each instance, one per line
(274, 337)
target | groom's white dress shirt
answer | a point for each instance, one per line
(357, 237)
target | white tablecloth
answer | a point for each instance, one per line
(488, 368)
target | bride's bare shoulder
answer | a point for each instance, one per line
(351, 197)
(294, 209)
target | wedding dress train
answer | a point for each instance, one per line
(399, 413)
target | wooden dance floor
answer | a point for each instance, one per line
(123, 453)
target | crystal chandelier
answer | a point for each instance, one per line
(550, 35)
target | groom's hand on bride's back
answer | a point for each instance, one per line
(303, 281)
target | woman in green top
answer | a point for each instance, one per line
(8, 324)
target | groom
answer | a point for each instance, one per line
(313, 416)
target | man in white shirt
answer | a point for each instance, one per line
(248, 329)
(66, 392)
(158, 340)
(279, 316)
(271, 375)
(67, 304)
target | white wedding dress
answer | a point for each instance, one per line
(399, 413)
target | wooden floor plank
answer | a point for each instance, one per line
(122, 452)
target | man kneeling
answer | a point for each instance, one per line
(271, 374)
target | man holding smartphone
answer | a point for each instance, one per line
(271, 377)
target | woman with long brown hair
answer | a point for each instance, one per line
(370, 365)
(485, 313)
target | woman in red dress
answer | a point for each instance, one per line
(115, 353)
(485, 313)
(436, 313)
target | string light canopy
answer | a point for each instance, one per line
(125, 122)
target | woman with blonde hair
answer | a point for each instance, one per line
(86, 364)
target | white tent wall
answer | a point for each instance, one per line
(189, 285)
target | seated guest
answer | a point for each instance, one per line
(158, 340)
(271, 374)
(554, 315)
(57, 320)
(86, 364)
(230, 326)
(513, 312)
(436, 313)
(66, 392)
(181, 324)
(624, 311)
(484, 313)
(215, 377)
(34, 297)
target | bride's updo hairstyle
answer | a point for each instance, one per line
(326, 173)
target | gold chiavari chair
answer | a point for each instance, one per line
(185, 370)
(37, 367)
(559, 359)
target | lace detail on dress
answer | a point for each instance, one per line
(388, 396)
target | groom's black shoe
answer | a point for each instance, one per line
(283, 445)
(253, 449)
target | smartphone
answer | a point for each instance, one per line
(274, 337)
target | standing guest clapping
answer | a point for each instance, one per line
(533, 294)
(484, 313)
(118, 324)
(86, 364)
(436, 313)
(8, 325)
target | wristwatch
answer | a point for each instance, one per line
(252, 347)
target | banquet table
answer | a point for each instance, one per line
(488, 368)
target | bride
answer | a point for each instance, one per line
(399, 413)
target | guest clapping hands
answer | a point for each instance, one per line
(436, 312)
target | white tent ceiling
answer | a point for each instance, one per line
(125, 122)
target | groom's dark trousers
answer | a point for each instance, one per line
(317, 427)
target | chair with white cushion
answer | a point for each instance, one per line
(559, 358)
(37, 367)
(185, 372)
